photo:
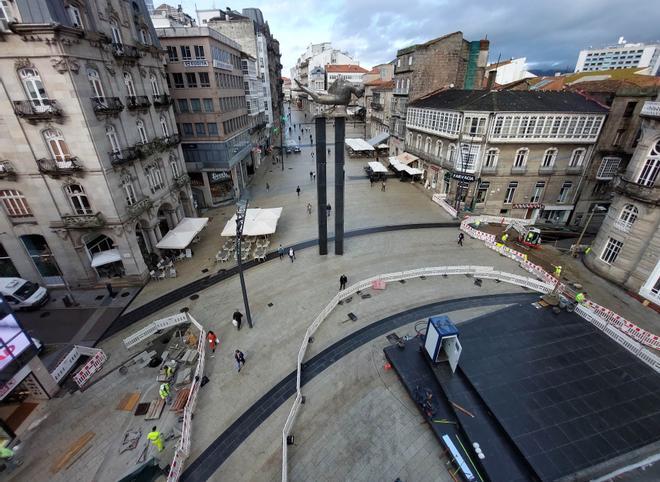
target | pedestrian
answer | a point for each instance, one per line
(328, 208)
(298, 191)
(240, 360)
(267, 187)
(343, 279)
(298, 138)
(164, 392)
(382, 187)
(292, 254)
(156, 438)
(213, 341)
(460, 239)
(371, 181)
(309, 209)
(8, 457)
(311, 141)
(311, 175)
(111, 292)
(315, 176)
(328, 151)
(312, 154)
(237, 319)
(280, 251)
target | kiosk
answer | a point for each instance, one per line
(441, 344)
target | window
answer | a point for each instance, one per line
(129, 192)
(427, 145)
(199, 52)
(155, 88)
(482, 192)
(191, 79)
(576, 158)
(141, 132)
(438, 148)
(145, 38)
(510, 192)
(183, 105)
(187, 129)
(649, 173)
(95, 81)
(74, 16)
(410, 60)
(15, 204)
(609, 166)
(163, 127)
(111, 134)
(195, 105)
(630, 108)
(178, 80)
(200, 130)
(468, 157)
(5, 11)
(33, 86)
(451, 153)
(418, 142)
(617, 137)
(398, 63)
(537, 193)
(208, 105)
(491, 157)
(57, 147)
(171, 54)
(549, 158)
(611, 251)
(116, 33)
(185, 52)
(7, 268)
(130, 86)
(154, 178)
(204, 79)
(521, 157)
(628, 215)
(212, 128)
(78, 199)
(174, 165)
(564, 191)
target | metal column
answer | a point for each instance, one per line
(320, 185)
(340, 134)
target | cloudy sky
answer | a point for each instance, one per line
(548, 33)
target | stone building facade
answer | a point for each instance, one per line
(627, 247)
(449, 61)
(92, 174)
(510, 153)
(378, 101)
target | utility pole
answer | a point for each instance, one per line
(241, 209)
(586, 225)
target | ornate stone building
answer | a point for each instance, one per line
(92, 175)
(627, 247)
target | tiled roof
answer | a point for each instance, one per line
(345, 68)
(508, 101)
(379, 83)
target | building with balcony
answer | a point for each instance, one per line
(88, 183)
(446, 62)
(205, 74)
(510, 153)
(256, 103)
(378, 100)
(627, 247)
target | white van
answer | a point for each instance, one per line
(23, 294)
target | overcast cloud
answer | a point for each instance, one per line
(549, 33)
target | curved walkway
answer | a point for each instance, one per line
(202, 468)
(178, 294)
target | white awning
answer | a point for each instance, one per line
(406, 158)
(394, 162)
(105, 257)
(258, 222)
(359, 145)
(413, 171)
(382, 146)
(379, 139)
(377, 166)
(183, 234)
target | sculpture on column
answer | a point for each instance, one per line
(339, 95)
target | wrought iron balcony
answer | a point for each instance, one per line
(44, 109)
(140, 206)
(162, 100)
(623, 226)
(83, 221)
(137, 102)
(181, 181)
(172, 140)
(633, 190)
(54, 167)
(107, 105)
(7, 170)
(123, 51)
(124, 156)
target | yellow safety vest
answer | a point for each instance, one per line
(153, 436)
(164, 390)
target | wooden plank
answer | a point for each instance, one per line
(155, 410)
(74, 451)
(180, 400)
(128, 402)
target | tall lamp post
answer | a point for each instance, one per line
(241, 209)
(586, 225)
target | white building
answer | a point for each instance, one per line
(318, 56)
(509, 71)
(621, 56)
(352, 73)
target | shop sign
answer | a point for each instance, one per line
(463, 177)
(216, 177)
(195, 63)
(434, 168)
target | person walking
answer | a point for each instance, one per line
(280, 252)
(292, 254)
(164, 392)
(328, 208)
(311, 175)
(343, 279)
(371, 181)
(315, 176)
(237, 319)
(460, 239)
(267, 187)
(213, 341)
(240, 360)
(298, 191)
(328, 151)
(312, 154)
(156, 438)
(382, 187)
(309, 209)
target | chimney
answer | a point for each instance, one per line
(491, 79)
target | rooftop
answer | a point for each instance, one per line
(508, 101)
(380, 84)
(345, 68)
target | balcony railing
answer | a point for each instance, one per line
(172, 140)
(107, 105)
(647, 194)
(44, 109)
(137, 102)
(7, 170)
(396, 91)
(140, 206)
(622, 225)
(651, 109)
(83, 221)
(125, 51)
(162, 100)
(518, 169)
(54, 167)
(124, 156)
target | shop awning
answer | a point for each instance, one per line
(258, 222)
(413, 171)
(379, 139)
(382, 146)
(377, 166)
(359, 145)
(105, 257)
(558, 207)
(183, 234)
(394, 162)
(406, 158)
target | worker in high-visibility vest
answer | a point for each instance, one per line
(7, 456)
(156, 438)
(557, 271)
(169, 371)
(505, 236)
(580, 298)
(165, 392)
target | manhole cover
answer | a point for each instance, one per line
(194, 297)
(125, 294)
(44, 314)
(185, 309)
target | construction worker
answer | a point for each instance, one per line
(557, 272)
(586, 251)
(156, 438)
(505, 236)
(169, 371)
(580, 298)
(8, 458)
(165, 392)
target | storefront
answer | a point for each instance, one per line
(221, 186)
(555, 214)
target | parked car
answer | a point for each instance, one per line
(288, 149)
(296, 149)
(22, 294)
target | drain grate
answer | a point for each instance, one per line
(366, 295)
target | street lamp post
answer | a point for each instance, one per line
(586, 225)
(241, 209)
